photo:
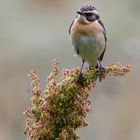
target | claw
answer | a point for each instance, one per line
(80, 80)
(100, 71)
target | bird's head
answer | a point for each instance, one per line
(87, 14)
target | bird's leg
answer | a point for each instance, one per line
(80, 80)
(100, 70)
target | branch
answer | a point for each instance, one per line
(65, 104)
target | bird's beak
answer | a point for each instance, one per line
(79, 12)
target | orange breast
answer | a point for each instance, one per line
(85, 29)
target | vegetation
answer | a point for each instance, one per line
(63, 107)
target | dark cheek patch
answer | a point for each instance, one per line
(90, 18)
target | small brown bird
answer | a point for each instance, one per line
(88, 37)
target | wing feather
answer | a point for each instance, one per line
(104, 32)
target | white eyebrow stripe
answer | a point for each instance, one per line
(95, 12)
(87, 12)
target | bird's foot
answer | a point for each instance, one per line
(101, 71)
(80, 79)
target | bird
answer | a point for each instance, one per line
(88, 36)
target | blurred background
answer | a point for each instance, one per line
(34, 32)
